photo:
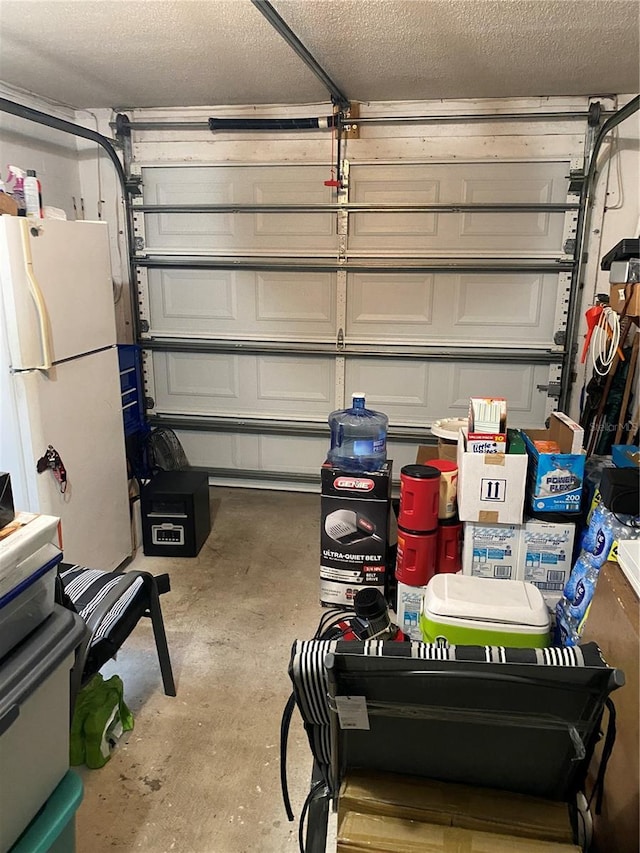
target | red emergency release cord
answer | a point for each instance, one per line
(333, 182)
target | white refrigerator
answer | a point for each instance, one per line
(60, 398)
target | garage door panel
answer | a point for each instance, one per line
(374, 225)
(480, 233)
(483, 301)
(302, 382)
(517, 382)
(415, 393)
(242, 303)
(280, 224)
(255, 385)
(185, 377)
(447, 309)
(388, 305)
(268, 453)
(378, 313)
(398, 387)
(296, 301)
(239, 233)
(516, 191)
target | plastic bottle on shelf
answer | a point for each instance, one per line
(358, 437)
(33, 195)
(15, 185)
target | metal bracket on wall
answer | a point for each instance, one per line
(552, 389)
(576, 180)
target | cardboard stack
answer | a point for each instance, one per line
(538, 552)
(389, 813)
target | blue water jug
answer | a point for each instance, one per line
(358, 437)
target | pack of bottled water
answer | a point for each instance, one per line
(598, 545)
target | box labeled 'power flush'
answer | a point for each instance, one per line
(355, 532)
(555, 477)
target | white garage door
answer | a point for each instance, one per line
(257, 323)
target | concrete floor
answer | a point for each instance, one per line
(200, 772)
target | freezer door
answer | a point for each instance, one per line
(65, 308)
(76, 408)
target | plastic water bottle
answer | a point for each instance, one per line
(580, 569)
(358, 437)
(600, 536)
(566, 631)
(579, 603)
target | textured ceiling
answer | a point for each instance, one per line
(123, 53)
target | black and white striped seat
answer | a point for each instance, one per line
(112, 604)
(432, 697)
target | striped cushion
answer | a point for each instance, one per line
(307, 672)
(87, 588)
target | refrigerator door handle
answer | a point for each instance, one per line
(36, 293)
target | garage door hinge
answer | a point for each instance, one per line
(133, 185)
(340, 339)
(552, 389)
(576, 180)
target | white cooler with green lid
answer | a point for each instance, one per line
(470, 611)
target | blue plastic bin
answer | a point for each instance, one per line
(53, 830)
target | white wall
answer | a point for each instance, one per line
(76, 175)
(52, 154)
(616, 215)
(103, 200)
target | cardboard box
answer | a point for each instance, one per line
(546, 552)
(377, 834)
(625, 455)
(491, 486)
(357, 527)
(409, 608)
(8, 205)
(554, 482)
(619, 295)
(538, 552)
(487, 425)
(492, 551)
(427, 801)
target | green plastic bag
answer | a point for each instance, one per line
(100, 715)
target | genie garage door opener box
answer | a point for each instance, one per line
(354, 533)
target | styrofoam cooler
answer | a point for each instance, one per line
(34, 720)
(469, 611)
